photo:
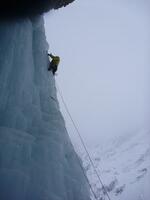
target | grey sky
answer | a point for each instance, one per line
(104, 70)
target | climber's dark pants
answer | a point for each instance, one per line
(52, 67)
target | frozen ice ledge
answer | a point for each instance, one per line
(37, 160)
(25, 8)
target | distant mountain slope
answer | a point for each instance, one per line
(124, 166)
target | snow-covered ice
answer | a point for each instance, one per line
(37, 160)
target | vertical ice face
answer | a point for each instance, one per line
(37, 161)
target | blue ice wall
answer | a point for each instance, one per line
(37, 160)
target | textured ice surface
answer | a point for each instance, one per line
(37, 160)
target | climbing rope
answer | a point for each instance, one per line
(85, 148)
(92, 191)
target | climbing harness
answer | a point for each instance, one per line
(85, 148)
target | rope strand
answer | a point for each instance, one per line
(81, 139)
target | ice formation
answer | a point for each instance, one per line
(25, 8)
(37, 160)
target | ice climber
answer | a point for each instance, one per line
(53, 66)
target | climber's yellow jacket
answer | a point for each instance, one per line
(55, 59)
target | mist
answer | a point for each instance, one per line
(104, 70)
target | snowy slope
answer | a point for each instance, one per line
(37, 160)
(124, 166)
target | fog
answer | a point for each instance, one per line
(104, 72)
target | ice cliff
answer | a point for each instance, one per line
(37, 160)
